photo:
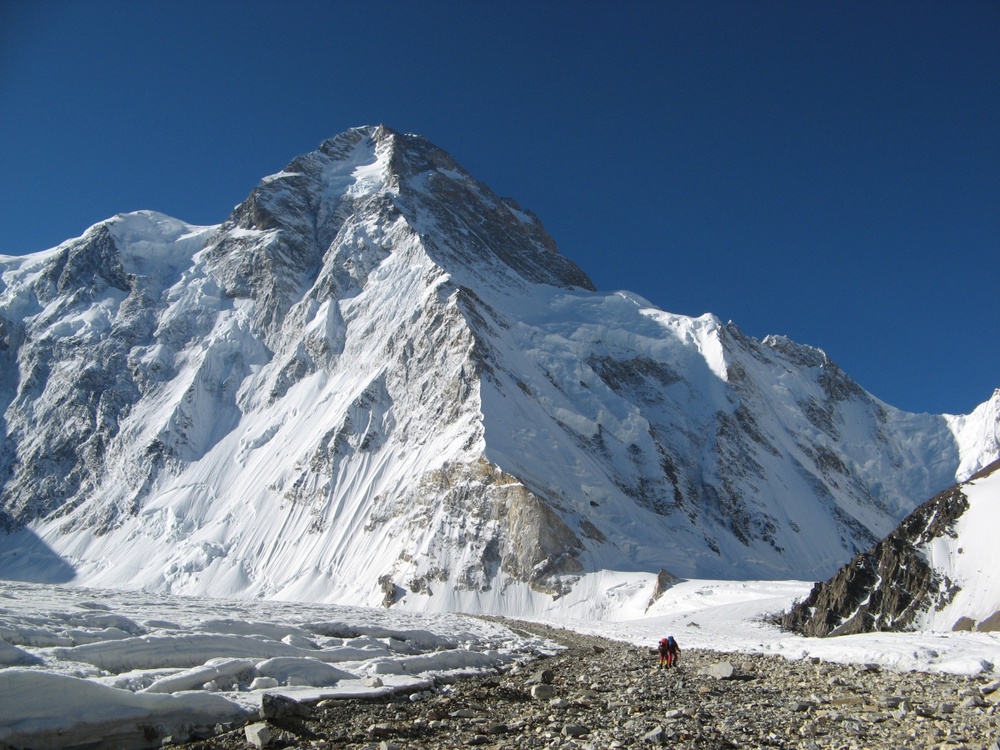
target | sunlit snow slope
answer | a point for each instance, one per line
(377, 382)
(967, 562)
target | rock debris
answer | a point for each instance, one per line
(599, 694)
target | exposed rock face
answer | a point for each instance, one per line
(891, 585)
(76, 379)
(664, 581)
(378, 382)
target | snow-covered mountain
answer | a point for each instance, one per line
(378, 382)
(939, 570)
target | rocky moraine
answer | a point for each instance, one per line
(597, 693)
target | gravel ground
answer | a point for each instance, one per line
(599, 694)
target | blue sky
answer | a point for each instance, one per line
(826, 171)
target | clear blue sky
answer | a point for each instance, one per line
(827, 171)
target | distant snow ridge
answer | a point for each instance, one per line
(376, 382)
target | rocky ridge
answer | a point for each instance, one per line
(597, 693)
(892, 585)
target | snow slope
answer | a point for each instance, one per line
(967, 561)
(377, 382)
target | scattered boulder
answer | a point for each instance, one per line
(964, 624)
(258, 735)
(541, 677)
(278, 708)
(723, 670)
(656, 737)
(391, 593)
(575, 730)
(542, 692)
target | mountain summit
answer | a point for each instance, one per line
(378, 382)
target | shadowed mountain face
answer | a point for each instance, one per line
(378, 381)
(25, 557)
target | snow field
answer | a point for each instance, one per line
(971, 558)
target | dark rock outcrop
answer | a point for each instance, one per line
(885, 588)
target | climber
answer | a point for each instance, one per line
(669, 651)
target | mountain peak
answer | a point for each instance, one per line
(384, 138)
(373, 175)
(378, 381)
